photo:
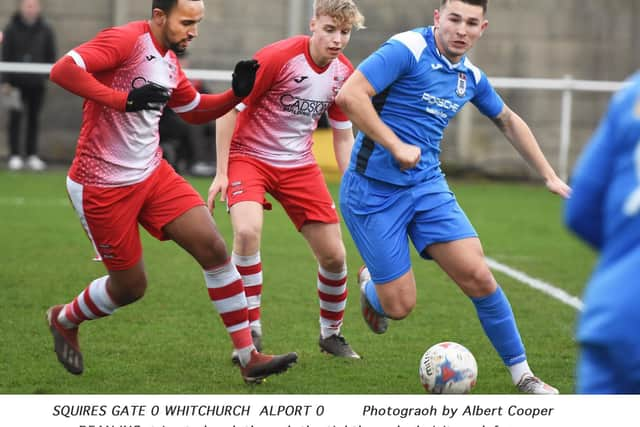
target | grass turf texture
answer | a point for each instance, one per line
(172, 341)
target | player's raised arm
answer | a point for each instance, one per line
(520, 136)
(355, 100)
(213, 106)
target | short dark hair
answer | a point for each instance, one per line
(483, 3)
(165, 5)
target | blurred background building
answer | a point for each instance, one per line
(587, 39)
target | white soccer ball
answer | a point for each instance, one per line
(448, 368)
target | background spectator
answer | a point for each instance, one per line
(27, 38)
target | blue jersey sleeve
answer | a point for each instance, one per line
(387, 64)
(487, 99)
(584, 210)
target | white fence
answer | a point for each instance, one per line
(566, 85)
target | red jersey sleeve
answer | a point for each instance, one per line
(197, 108)
(185, 97)
(77, 70)
(105, 51)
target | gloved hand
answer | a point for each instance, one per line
(151, 96)
(244, 76)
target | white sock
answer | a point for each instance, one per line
(244, 355)
(518, 370)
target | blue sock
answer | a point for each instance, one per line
(372, 296)
(496, 317)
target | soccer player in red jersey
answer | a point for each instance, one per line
(118, 178)
(264, 146)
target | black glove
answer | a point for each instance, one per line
(151, 96)
(244, 76)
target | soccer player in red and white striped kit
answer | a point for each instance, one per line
(118, 178)
(264, 146)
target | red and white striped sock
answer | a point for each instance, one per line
(93, 303)
(250, 269)
(227, 295)
(332, 292)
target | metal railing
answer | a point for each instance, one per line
(566, 85)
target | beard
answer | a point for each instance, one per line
(180, 46)
(177, 48)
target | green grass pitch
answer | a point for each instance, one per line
(172, 341)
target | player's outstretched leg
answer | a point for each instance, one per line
(65, 342)
(498, 322)
(377, 322)
(94, 302)
(227, 295)
(260, 366)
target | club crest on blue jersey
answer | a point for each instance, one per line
(461, 89)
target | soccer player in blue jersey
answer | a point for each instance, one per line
(604, 210)
(402, 98)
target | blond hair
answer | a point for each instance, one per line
(343, 11)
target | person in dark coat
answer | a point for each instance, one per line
(28, 38)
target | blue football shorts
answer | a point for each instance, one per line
(381, 218)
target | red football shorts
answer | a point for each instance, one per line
(110, 215)
(301, 191)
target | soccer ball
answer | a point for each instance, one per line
(448, 368)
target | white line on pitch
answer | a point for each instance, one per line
(538, 284)
(23, 201)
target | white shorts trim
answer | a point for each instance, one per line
(75, 191)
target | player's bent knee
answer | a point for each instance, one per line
(478, 281)
(214, 254)
(398, 310)
(246, 236)
(138, 291)
(399, 313)
(128, 293)
(333, 262)
(218, 247)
